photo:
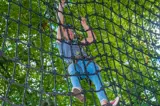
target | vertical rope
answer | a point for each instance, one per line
(4, 41)
(41, 90)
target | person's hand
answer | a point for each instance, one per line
(84, 23)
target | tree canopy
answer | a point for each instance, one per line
(33, 73)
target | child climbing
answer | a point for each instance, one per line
(77, 59)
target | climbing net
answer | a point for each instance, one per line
(128, 38)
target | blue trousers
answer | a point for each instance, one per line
(81, 68)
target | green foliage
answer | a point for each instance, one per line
(31, 69)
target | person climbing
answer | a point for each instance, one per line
(80, 66)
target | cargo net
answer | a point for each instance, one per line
(32, 72)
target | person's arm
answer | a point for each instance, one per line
(61, 20)
(91, 35)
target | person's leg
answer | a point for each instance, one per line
(92, 68)
(72, 70)
(76, 89)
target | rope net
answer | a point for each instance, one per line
(33, 73)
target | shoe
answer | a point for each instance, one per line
(112, 103)
(77, 92)
(108, 104)
(115, 101)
